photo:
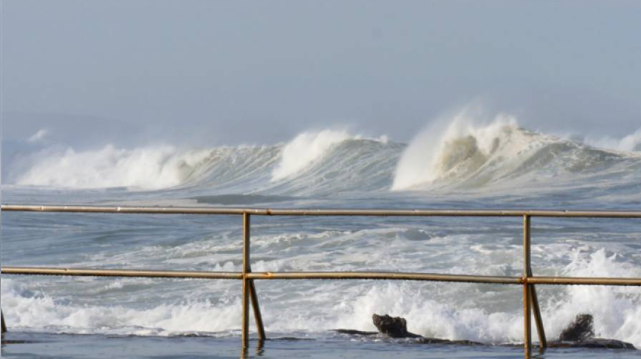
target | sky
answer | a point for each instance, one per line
(258, 72)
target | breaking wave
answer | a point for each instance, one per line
(304, 150)
(313, 162)
(466, 152)
(461, 152)
(140, 168)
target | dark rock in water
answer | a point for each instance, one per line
(355, 332)
(606, 344)
(424, 340)
(580, 329)
(579, 334)
(394, 327)
(593, 343)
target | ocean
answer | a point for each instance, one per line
(497, 165)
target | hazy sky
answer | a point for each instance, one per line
(225, 72)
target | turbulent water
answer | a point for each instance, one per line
(454, 165)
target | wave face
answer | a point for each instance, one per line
(312, 163)
(461, 153)
(464, 154)
(304, 150)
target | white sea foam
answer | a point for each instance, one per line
(304, 149)
(330, 305)
(614, 309)
(141, 168)
(429, 317)
(44, 313)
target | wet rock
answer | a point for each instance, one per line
(394, 327)
(355, 332)
(579, 334)
(593, 343)
(580, 329)
(424, 340)
(605, 344)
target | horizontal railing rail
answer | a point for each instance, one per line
(527, 280)
(430, 277)
(322, 212)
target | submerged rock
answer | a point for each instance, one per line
(580, 329)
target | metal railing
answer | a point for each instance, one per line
(527, 280)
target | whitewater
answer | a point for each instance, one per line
(457, 163)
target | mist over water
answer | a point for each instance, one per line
(461, 162)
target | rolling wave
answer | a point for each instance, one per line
(462, 153)
(458, 153)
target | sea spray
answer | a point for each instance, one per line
(629, 143)
(467, 152)
(454, 148)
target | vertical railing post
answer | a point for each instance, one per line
(532, 297)
(258, 318)
(4, 326)
(246, 289)
(527, 326)
(543, 343)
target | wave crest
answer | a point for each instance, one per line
(629, 143)
(452, 150)
(306, 148)
(469, 153)
(141, 168)
(462, 153)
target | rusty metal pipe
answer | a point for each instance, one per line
(538, 320)
(135, 273)
(4, 326)
(527, 321)
(585, 281)
(386, 276)
(246, 290)
(258, 318)
(527, 303)
(320, 212)
(533, 298)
